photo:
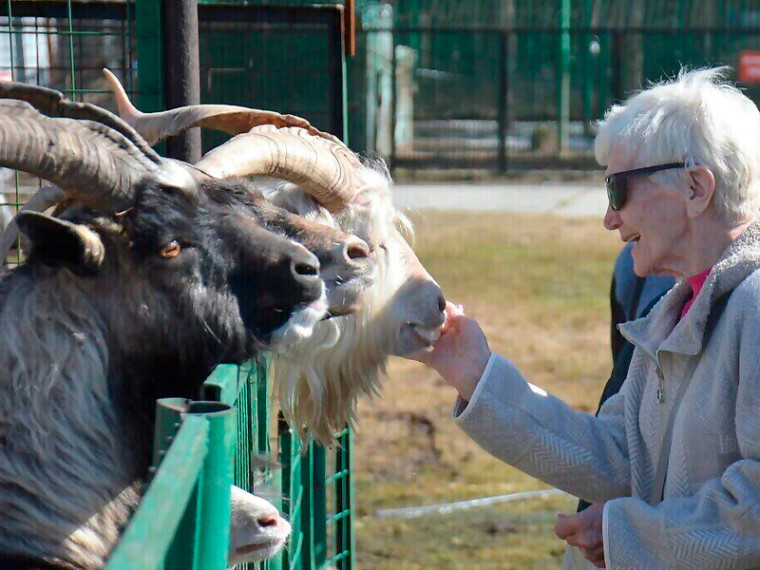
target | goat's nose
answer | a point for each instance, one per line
(304, 266)
(355, 249)
(268, 520)
(441, 302)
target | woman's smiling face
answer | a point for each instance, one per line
(654, 218)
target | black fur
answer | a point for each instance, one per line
(168, 322)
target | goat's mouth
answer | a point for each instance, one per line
(427, 335)
(301, 323)
(414, 337)
(271, 542)
(633, 238)
(345, 297)
(266, 548)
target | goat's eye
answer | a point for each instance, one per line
(171, 250)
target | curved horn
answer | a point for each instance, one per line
(328, 171)
(46, 197)
(91, 161)
(53, 104)
(231, 119)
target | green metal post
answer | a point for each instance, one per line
(147, 539)
(150, 54)
(319, 504)
(344, 507)
(214, 485)
(307, 508)
(168, 420)
(590, 52)
(563, 83)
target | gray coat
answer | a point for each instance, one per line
(710, 514)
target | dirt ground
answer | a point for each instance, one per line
(539, 287)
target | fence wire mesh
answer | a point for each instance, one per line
(62, 45)
(480, 85)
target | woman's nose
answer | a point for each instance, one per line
(611, 219)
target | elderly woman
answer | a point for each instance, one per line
(675, 455)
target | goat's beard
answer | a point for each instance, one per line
(321, 380)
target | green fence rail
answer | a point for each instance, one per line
(183, 521)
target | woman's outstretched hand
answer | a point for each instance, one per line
(461, 354)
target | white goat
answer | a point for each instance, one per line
(320, 379)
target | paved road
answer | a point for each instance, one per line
(571, 199)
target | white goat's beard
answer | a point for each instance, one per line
(301, 323)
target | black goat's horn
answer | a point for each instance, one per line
(230, 119)
(267, 144)
(91, 161)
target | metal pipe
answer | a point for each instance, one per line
(182, 71)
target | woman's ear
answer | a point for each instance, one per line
(701, 190)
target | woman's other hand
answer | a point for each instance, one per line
(584, 530)
(461, 354)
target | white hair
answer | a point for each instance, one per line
(698, 118)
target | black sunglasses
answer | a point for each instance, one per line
(617, 184)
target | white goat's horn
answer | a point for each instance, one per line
(231, 119)
(326, 170)
(46, 197)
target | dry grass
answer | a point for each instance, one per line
(539, 287)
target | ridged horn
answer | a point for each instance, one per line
(328, 171)
(231, 119)
(53, 104)
(91, 161)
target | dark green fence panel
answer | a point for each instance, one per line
(476, 84)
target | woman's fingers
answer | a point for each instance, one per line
(566, 526)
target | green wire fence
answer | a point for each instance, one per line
(202, 447)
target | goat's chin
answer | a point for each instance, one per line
(268, 547)
(301, 323)
(413, 338)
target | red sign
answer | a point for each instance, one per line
(749, 66)
(6, 75)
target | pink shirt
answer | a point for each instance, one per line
(696, 282)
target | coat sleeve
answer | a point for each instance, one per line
(719, 526)
(539, 434)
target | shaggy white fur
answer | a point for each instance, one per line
(321, 378)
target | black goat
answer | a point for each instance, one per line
(157, 275)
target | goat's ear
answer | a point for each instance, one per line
(59, 243)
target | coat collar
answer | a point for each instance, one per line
(661, 330)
